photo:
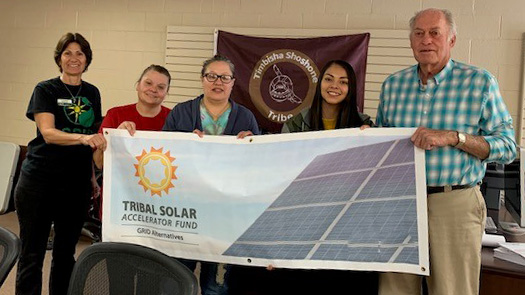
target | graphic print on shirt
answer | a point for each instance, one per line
(80, 112)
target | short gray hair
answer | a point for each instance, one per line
(215, 58)
(448, 18)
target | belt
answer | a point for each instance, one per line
(447, 188)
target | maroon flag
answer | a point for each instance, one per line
(276, 77)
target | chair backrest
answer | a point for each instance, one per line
(10, 247)
(121, 268)
(9, 158)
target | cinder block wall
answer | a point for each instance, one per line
(128, 35)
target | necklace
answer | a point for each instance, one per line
(70, 93)
(216, 115)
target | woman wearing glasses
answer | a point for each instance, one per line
(213, 113)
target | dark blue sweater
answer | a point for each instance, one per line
(186, 117)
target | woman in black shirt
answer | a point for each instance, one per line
(55, 182)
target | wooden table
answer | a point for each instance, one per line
(499, 277)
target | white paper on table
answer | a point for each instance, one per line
(493, 241)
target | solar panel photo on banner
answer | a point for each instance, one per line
(358, 205)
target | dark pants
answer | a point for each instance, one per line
(246, 280)
(37, 208)
(213, 276)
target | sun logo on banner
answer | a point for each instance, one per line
(155, 171)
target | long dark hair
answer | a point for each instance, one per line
(348, 116)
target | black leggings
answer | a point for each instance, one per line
(37, 208)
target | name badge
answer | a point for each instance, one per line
(63, 102)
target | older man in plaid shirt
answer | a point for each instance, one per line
(462, 124)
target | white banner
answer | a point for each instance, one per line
(341, 199)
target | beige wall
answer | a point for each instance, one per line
(127, 35)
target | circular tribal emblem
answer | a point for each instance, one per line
(283, 83)
(281, 88)
(155, 171)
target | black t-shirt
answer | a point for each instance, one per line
(51, 164)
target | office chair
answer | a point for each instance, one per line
(10, 247)
(121, 268)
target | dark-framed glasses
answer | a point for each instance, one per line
(211, 77)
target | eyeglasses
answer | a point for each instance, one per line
(211, 77)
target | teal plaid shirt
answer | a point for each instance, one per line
(460, 97)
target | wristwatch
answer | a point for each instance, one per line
(461, 139)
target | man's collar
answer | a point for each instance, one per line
(439, 76)
(444, 72)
